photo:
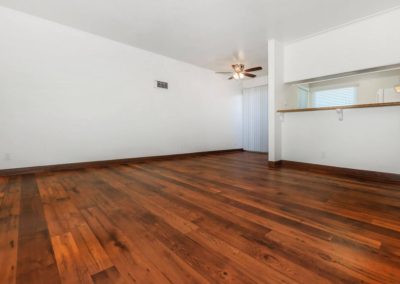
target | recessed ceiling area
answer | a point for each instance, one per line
(208, 33)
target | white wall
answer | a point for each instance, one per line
(365, 44)
(367, 139)
(69, 96)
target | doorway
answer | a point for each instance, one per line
(255, 119)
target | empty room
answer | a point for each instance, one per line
(212, 141)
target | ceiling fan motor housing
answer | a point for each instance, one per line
(238, 68)
(239, 72)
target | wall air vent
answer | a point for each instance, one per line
(161, 85)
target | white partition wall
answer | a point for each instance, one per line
(366, 138)
(255, 119)
(276, 91)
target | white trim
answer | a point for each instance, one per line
(338, 27)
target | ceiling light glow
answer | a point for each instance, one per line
(238, 76)
(397, 88)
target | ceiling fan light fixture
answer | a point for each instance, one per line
(239, 72)
(397, 88)
(238, 76)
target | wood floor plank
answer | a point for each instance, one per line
(207, 219)
(94, 255)
(36, 261)
(190, 229)
(270, 202)
(157, 254)
(110, 275)
(70, 263)
(10, 190)
(209, 223)
(122, 251)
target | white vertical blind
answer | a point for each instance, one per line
(334, 97)
(255, 119)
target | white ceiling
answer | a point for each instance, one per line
(208, 33)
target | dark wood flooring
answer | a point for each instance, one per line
(208, 219)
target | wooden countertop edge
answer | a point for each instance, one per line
(342, 107)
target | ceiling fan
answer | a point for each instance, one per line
(239, 72)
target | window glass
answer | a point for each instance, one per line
(334, 97)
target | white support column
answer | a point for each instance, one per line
(276, 90)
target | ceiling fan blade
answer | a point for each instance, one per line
(249, 75)
(230, 78)
(253, 69)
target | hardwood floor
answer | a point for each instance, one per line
(210, 219)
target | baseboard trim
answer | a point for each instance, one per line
(362, 175)
(274, 164)
(256, 152)
(105, 163)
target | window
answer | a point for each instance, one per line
(302, 97)
(334, 97)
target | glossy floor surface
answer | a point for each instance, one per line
(208, 219)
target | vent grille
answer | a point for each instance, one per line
(161, 85)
